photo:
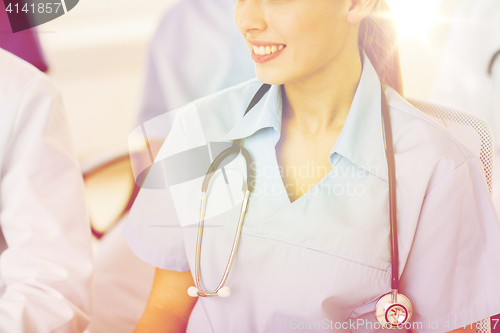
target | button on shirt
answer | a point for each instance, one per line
(322, 261)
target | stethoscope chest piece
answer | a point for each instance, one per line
(393, 310)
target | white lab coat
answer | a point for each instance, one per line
(462, 81)
(45, 254)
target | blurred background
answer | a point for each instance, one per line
(96, 56)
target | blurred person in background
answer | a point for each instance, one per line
(195, 51)
(45, 255)
(469, 76)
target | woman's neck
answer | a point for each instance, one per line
(322, 101)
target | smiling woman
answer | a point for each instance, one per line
(312, 250)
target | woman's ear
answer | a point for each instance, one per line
(359, 9)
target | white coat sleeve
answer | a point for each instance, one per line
(47, 266)
(452, 272)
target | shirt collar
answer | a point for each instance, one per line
(361, 139)
(267, 113)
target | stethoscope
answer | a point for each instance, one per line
(393, 310)
(492, 61)
(495, 96)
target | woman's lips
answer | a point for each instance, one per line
(264, 53)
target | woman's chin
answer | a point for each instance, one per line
(271, 78)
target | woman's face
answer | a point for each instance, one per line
(293, 39)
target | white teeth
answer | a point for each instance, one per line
(264, 50)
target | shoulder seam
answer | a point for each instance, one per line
(454, 140)
(449, 173)
(33, 84)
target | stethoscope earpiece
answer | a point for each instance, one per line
(224, 292)
(393, 310)
(193, 291)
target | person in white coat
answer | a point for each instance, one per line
(468, 78)
(463, 80)
(45, 255)
(180, 69)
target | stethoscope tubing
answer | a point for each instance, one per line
(391, 166)
(492, 62)
(203, 207)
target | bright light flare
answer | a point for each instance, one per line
(413, 17)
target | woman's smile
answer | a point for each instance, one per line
(265, 51)
(306, 35)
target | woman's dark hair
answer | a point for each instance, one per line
(378, 39)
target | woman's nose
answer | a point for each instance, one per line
(249, 16)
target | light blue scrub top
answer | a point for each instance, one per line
(322, 262)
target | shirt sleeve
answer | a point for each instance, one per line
(153, 232)
(451, 274)
(47, 266)
(152, 229)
